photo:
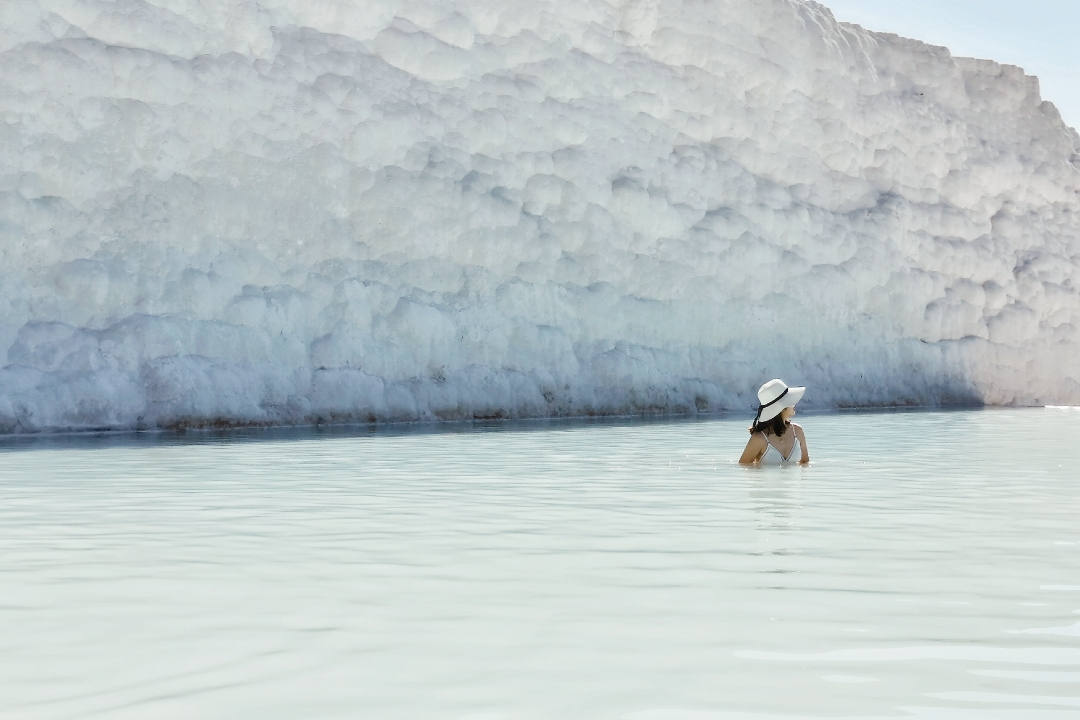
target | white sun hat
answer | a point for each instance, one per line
(774, 396)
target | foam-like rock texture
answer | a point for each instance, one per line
(287, 211)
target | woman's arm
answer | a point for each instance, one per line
(755, 448)
(802, 443)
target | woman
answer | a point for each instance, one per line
(774, 439)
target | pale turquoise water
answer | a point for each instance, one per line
(926, 564)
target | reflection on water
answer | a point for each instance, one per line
(925, 565)
(775, 496)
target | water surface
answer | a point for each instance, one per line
(926, 564)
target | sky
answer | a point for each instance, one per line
(1040, 36)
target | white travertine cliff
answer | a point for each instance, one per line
(284, 211)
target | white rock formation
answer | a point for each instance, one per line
(279, 211)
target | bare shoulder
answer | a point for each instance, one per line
(802, 442)
(757, 440)
(755, 446)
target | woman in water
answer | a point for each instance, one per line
(774, 439)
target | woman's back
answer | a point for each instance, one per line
(773, 456)
(766, 447)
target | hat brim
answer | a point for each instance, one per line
(794, 395)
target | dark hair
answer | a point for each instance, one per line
(778, 425)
